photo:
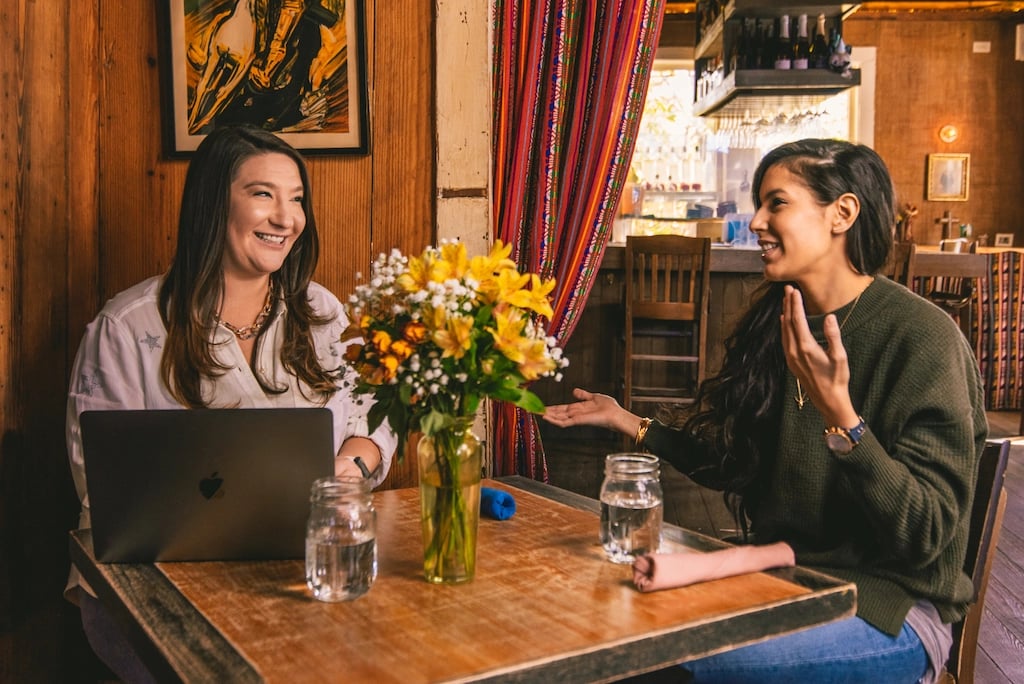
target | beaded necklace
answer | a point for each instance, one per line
(251, 331)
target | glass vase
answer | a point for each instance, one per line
(449, 470)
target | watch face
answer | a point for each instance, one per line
(839, 443)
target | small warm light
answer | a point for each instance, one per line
(949, 133)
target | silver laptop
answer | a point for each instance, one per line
(203, 484)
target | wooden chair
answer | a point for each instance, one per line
(986, 521)
(667, 291)
(901, 263)
(953, 294)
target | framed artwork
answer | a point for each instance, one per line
(1004, 239)
(296, 68)
(948, 177)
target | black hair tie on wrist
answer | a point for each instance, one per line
(362, 467)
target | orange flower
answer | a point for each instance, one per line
(414, 332)
(381, 340)
(402, 349)
(385, 371)
(352, 352)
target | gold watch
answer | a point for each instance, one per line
(842, 440)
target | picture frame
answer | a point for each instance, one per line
(948, 178)
(1004, 239)
(296, 68)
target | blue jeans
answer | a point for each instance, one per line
(847, 651)
(109, 643)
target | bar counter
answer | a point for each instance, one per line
(595, 349)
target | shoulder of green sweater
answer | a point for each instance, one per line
(888, 306)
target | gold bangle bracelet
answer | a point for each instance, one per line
(641, 432)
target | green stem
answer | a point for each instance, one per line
(450, 550)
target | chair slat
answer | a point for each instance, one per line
(667, 294)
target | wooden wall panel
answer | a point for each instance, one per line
(34, 483)
(11, 98)
(83, 167)
(139, 189)
(403, 187)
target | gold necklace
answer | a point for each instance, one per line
(801, 398)
(251, 331)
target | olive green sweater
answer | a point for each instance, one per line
(892, 516)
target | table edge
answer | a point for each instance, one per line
(215, 659)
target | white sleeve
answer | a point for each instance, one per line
(107, 374)
(350, 410)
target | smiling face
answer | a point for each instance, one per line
(801, 240)
(265, 216)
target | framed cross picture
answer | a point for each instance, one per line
(948, 177)
(293, 67)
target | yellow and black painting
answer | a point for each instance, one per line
(283, 65)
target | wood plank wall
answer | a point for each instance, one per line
(89, 207)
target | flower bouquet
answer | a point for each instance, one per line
(437, 333)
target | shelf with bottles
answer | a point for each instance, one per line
(752, 36)
(713, 16)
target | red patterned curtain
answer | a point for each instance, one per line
(570, 78)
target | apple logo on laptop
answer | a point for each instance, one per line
(209, 486)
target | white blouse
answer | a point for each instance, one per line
(118, 367)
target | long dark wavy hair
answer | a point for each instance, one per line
(192, 290)
(737, 411)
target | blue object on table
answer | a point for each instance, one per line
(496, 504)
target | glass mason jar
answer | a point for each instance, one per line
(341, 539)
(631, 506)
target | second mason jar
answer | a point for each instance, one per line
(341, 539)
(631, 506)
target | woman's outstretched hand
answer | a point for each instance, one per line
(599, 410)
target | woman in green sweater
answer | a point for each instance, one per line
(846, 422)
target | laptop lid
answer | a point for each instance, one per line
(203, 484)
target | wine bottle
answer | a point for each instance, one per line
(819, 46)
(802, 51)
(751, 60)
(784, 46)
(766, 58)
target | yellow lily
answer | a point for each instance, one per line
(456, 337)
(535, 298)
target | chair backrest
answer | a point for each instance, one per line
(901, 263)
(953, 292)
(667, 293)
(986, 521)
(667, 277)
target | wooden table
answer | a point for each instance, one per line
(545, 606)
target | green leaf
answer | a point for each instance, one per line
(435, 421)
(530, 402)
(508, 393)
(375, 416)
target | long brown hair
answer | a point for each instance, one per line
(192, 290)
